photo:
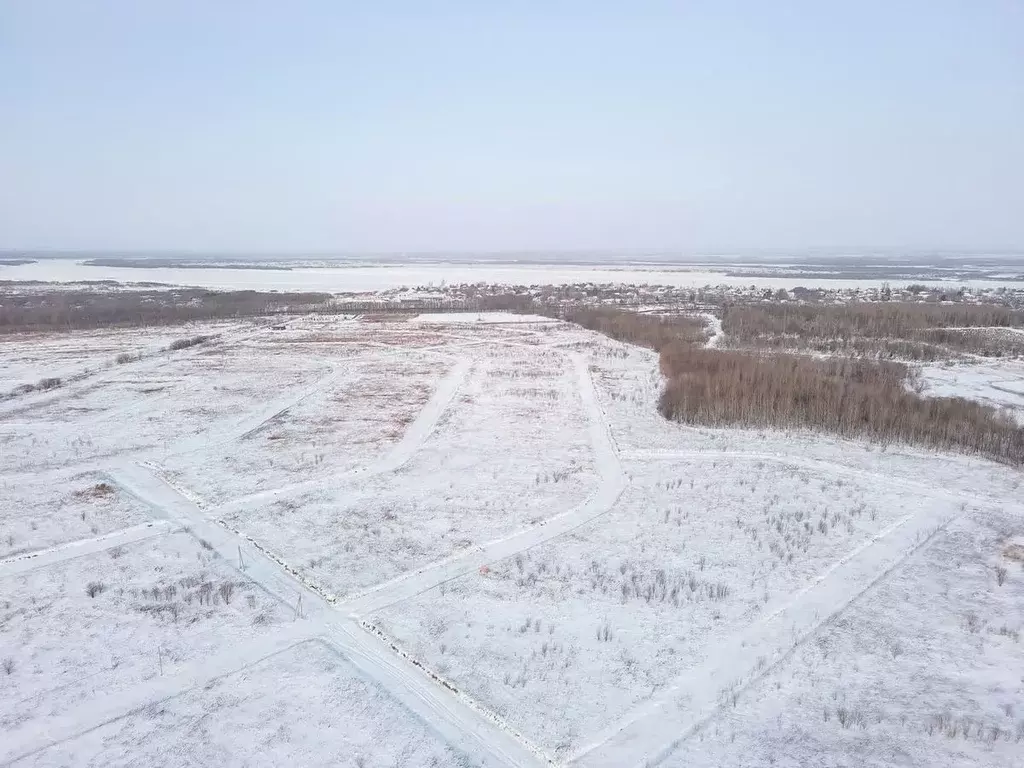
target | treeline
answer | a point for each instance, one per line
(502, 302)
(908, 331)
(83, 310)
(893, 320)
(882, 349)
(55, 310)
(645, 330)
(848, 397)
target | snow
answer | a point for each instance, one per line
(727, 543)
(477, 543)
(67, 645)
(926, 667)
(379, 276)
(999, 383)
(300, 706)
(442, 318)
(381, 524)
(715, 326)
(55, 508)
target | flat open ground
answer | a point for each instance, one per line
(456, 540)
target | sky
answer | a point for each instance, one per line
(698, 127)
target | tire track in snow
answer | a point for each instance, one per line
(652, 732)
(29, 561)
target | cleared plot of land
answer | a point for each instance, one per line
(302, 706)
(509, 451)
(41, 511)
(25, 358)
(203, 396)
(343, 335)
(110, 620)
(353, 419)
(628, 382)
(497, 318)
(565, 638)
(596, 584)
(925, 669)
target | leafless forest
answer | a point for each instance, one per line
(847, 396)
(909, 331)
(57, 310)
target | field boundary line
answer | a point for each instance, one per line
(755, 651)
(400, 453)
(44, 733)
(435, 705)
(59, 553)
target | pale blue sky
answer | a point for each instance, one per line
(335, 126)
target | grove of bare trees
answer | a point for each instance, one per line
(846, 396)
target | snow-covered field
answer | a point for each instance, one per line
(999, 383)
(70, 356)
(502, 318)
(53, 508)
(449, 542)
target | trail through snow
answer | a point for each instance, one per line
(715, 339)
(40, 734)
(446, 710)
(613, 482)
(416, 434)
(651, 732)
(43, 557)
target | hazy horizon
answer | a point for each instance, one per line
(693, 129)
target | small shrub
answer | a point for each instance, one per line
(973, 623)
(98, 491)
(227, 589)
(1013, 634)
(9, 666)
(49, 383)
(94, 588)
(1000, 575)
(849, 717)
(205, 593)
(186, 343)
(126, 357)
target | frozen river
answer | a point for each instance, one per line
(387, 275)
